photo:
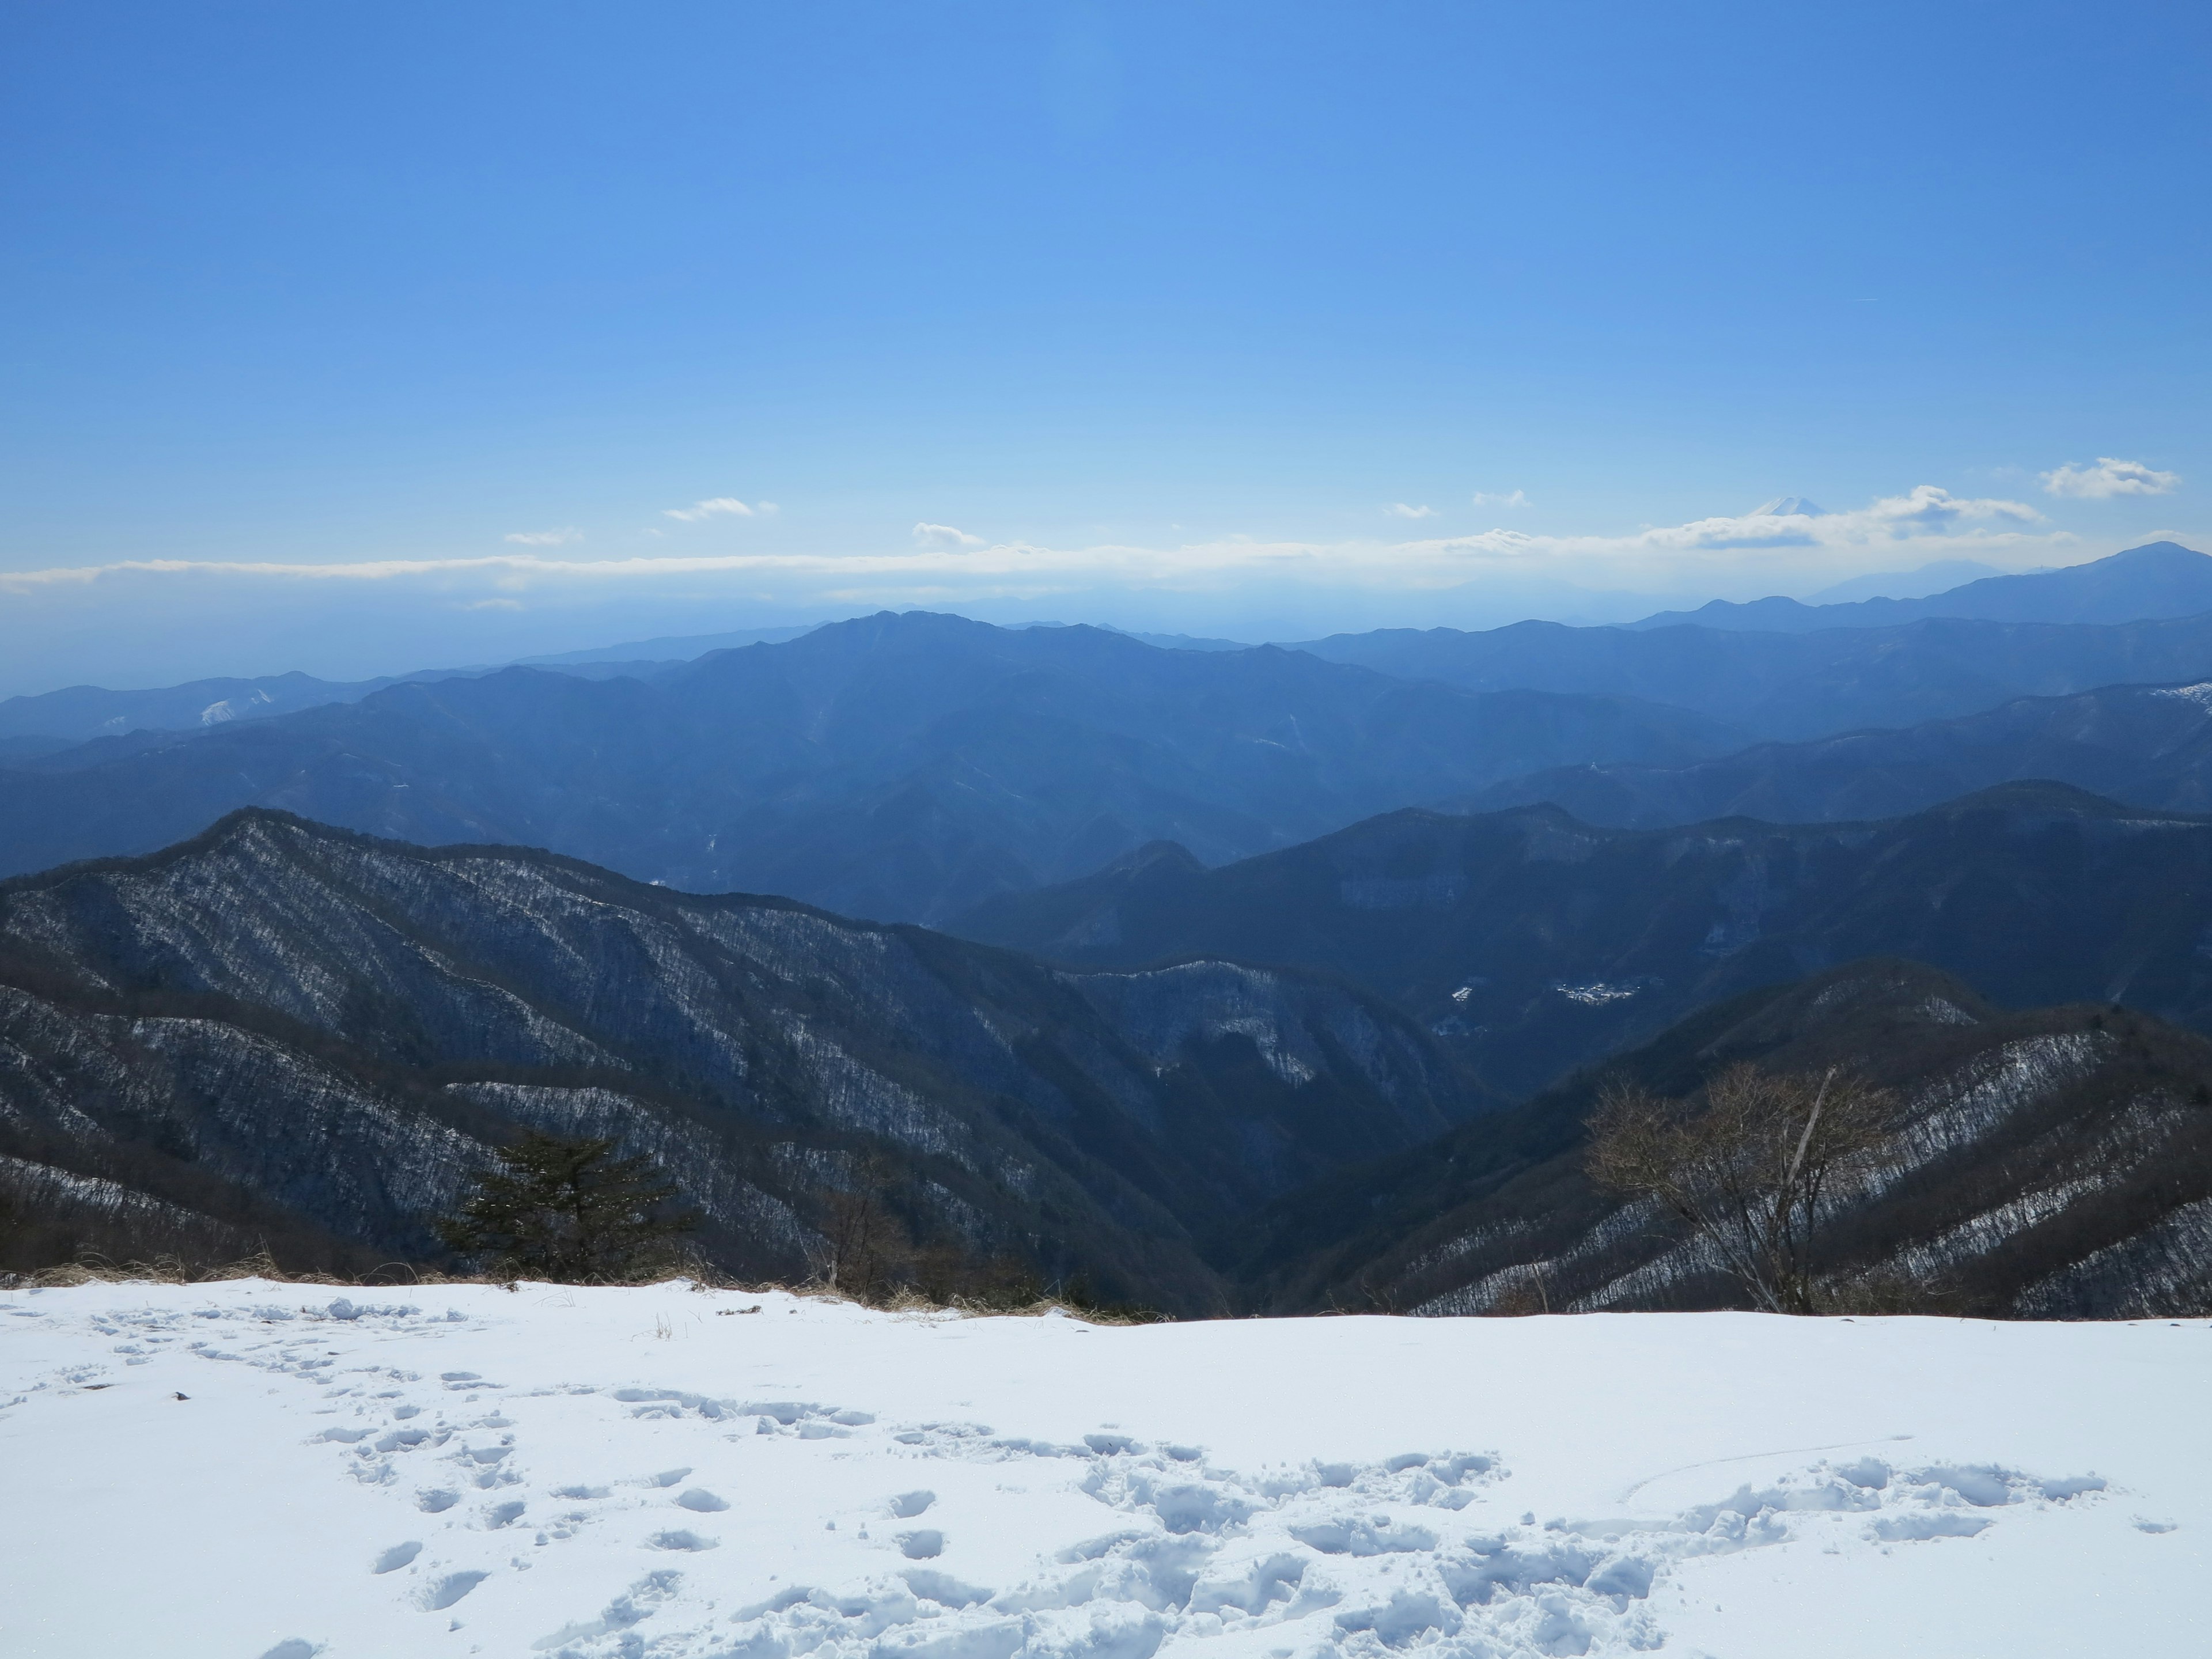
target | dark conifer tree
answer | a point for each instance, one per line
(568, 1211)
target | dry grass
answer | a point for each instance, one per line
(91, 1268)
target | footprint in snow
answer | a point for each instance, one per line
(1334, 1559)
(1326, 1560)
(442, 1593)
(682, 1538)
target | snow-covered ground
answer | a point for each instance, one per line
(255, 1470)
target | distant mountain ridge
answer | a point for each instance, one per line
(666, 648)
(1780, 669)
(42, 722)
(1939, 577)
(51, 721)
(2147, 745)
(1533, 943)
(2159, 579)
(80, 713)
(1797, 686)
(1794, 686)
(902, 766)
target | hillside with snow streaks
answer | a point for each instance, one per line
(2052, 1162)
(284, 1032)
(284, 1471)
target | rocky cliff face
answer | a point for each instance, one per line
(284, 1031)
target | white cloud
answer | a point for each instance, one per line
(1516, 499)
(1932, 504)
(1750, 553)
(716, 507)
(1399, 510)
(2110, 477)
(945, 536)
(544, 538)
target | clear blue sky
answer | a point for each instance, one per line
(1155, 311)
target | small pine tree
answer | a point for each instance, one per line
(568, 1210)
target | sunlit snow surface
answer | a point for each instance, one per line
(667, 1472)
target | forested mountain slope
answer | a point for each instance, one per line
(281, 1031)
(2054, 1163)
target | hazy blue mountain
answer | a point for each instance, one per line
(667, 648)
(1771, 687)
(2149, 745)
(23, 749)
(82, 712)
(287, 1033)
(2160, 579)
(1940, 577)
(1534, 944)
(2056, 1164)
(1172, 642)
(1185, 641)
(902, 766)
(1798, 685)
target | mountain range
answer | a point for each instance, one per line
(1264, 978)
(284, 1037)
(909, 767)
(2144, 615)
(1796, 686)
(1535, 943)
(899, 767)
(2159, 579)
(2149, 745)
(50, 722)
(279, 1031)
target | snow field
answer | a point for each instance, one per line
(586, 1473)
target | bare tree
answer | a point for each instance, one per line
(863, 1244)
(1746, 1167)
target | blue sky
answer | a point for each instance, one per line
(1251, 320)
